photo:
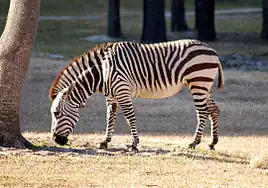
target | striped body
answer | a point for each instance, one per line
(124, 70)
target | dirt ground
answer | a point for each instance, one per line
(243, 106)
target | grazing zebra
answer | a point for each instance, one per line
(124, 70)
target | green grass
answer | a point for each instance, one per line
(237, 35)
(232, 25)
(229, 4)
(92, 7)
(252, 25)
(65, 36)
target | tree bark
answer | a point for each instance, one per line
(15, 48)
(264, 31)
(178, 21)
(206, 20)
(154, 25)
(114, 28)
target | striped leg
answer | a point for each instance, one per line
(112, 107)
(214, 119)
(202, 111)
(126, 105)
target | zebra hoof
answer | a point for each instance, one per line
(133, 149)
(211, 147)
(191, 146)
(103, 146)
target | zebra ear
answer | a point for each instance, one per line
(67, 91)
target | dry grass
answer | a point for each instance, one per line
(163, 161)
(259, 160)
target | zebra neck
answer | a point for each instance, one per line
(86, 84)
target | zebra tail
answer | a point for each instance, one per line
(220, 78)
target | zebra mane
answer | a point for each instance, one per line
(55, 87)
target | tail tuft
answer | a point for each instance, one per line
(220, 85)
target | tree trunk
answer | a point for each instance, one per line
(205, 20)
(154, 25)
(178, 21)
(114, 29)
(264, 31)
(15, 48)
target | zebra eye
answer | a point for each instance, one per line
(57, 114)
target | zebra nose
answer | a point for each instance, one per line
(61, 140)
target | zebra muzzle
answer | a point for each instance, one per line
(61, 140)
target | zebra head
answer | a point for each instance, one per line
(64, 116)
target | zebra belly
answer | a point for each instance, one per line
(160, 93)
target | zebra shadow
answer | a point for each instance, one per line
(123, 151)
(94, 151)
(91, 151)
(216, 156)
(57, 150)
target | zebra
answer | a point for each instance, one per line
(123, 70)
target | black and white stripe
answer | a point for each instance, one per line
(124, 70)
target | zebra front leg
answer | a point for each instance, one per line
(214, 119)
(128, 110)
(112, 107)
(202, 112)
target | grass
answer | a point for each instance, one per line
(170, 166)
(234, 34)
(91, 7)
(66, 37)
(259, 161)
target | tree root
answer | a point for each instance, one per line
(15, 141)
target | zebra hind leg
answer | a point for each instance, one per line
(202, 111)
(214, 119)
(111, 117)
